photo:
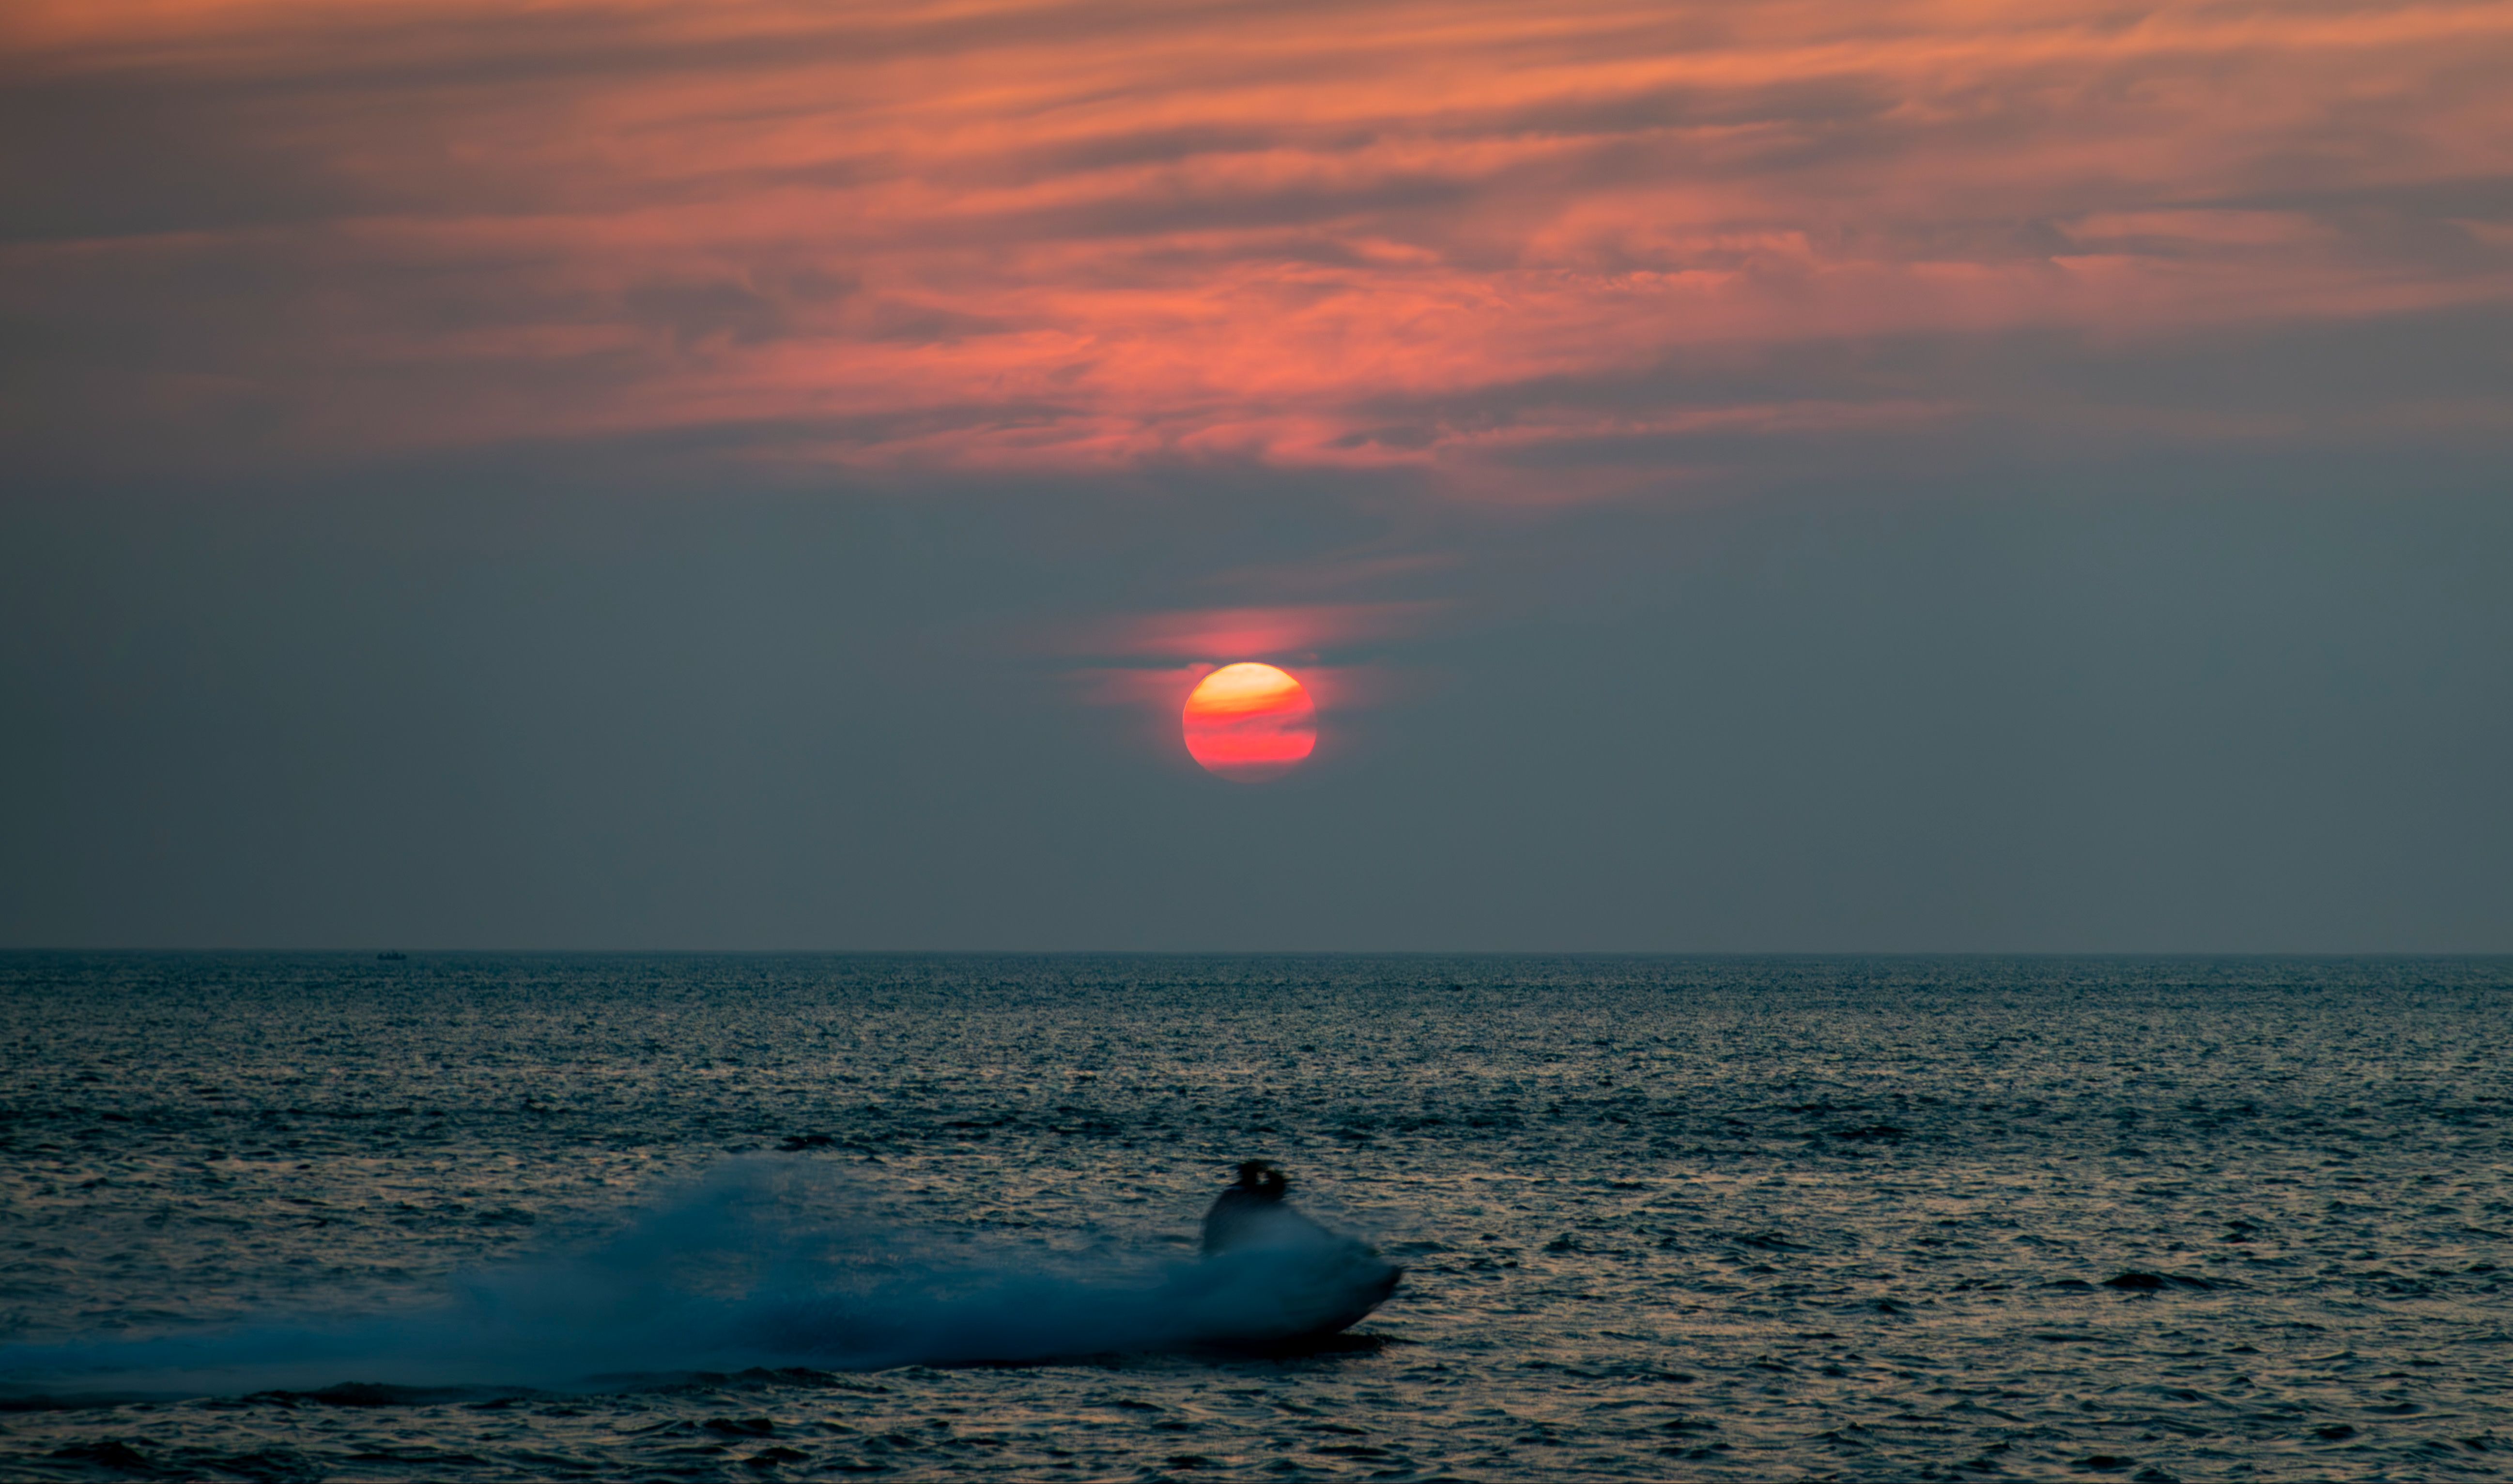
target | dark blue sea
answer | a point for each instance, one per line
(482, 1217)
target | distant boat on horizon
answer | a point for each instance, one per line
(394, 956)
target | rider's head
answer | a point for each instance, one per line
(1260, 1176)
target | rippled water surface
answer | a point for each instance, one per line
(307, 1218)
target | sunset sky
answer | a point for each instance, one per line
(1799, 476)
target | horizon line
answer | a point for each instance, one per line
(375, 953)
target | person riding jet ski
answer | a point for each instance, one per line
(1312, 1282)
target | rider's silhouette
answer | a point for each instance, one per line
(1258, 1193)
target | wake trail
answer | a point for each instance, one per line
(767, 1263)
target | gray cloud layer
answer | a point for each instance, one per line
(760, 475)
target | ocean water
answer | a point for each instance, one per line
(298, 1216)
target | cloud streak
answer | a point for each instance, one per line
(1220, 635)
(1094, 237)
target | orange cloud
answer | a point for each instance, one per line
(1224, 635)
(1483, 241)
(1134, 661)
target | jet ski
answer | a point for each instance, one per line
(1272, 1277)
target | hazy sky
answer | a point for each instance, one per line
(1814, 476)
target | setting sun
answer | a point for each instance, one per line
(1248, 723)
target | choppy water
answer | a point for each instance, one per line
(335, 1217)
